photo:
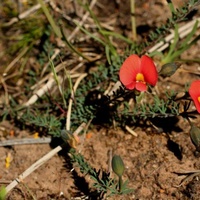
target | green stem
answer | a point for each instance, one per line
(120, 183)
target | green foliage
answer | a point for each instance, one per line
(89, 101)
(47, 121)
(30, 31)
(102, 180)
(47, 50)
(159, 107)
(44, 121)
(86, 108)
(9, 8)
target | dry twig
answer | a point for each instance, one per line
(23, 141)
(38, 163)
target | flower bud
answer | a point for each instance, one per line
(65, 135)
(195, 136)
(117, 165)
(169, 69)
(69, 138)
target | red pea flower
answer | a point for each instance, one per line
(136, 72)
(194, 92)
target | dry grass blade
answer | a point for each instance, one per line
(24, 14)
(85, 16)
(58, 68)
(56, 53)
(71, 100)
(12, 64)
(183, 32)
(132, 132)
(189, 176)
(42, 91)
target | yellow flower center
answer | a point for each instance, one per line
(199, 99)
(140, 78)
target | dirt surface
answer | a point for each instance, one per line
(151, 159)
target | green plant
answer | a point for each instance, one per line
(103, 183)
(177, 16)
(91, 102)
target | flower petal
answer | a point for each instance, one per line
(131, 86)
(141, 87)
(129, 70)
(194, 92)
(148, 69)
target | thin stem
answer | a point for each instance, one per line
(71, 100)
(120, 183)
(55, 28)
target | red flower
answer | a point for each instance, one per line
(194, 92)
(137, 72)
